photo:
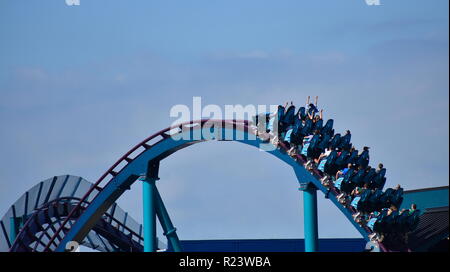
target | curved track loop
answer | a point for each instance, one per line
(162, 144)
(40, 211)
(44, 220)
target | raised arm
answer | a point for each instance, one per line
(307, 100)
(321, 114)
(317, 98)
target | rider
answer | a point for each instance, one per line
(311, 108)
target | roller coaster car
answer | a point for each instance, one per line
(342, 159)
(319, 147)
(364, 201)
(280, 112)
(308, 144)
(344, 141)
(391, 222)
(355, 202)
(379, 180)
(380, 223)
(313, 147)
(279, 117)
(287, 118)
(397, 197)
(363, 159)
(347, 185)
(413, 220)
(385, 199)
(270, 124)
(328, 165)
(358, 178)
(301, 113)
(318, 125)
(397, 223)
(322, 163)
(295, 137)
(340, 182)
(328, 128)
(368, 178)
(353, 157)
(374, 201)
(402, 222)
(370, 224)
(307, 128)
(335, 140)
(288, 134)
(324, 143)
(298, 121)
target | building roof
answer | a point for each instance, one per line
(432, 228)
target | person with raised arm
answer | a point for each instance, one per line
(311, 109)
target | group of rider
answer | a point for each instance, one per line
(303, 131)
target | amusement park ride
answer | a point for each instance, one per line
(66, 209)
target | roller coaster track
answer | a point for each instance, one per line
(45, 219)
(89, 210)
(41, 210)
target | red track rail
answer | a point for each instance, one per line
(110, 171)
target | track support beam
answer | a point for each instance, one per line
(149, 206)
(169, 230)
(310, 217)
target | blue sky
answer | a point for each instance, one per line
(81, 85)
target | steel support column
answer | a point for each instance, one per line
(310, 218)
(169, 230)
(149, 207)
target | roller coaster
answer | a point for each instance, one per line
(67, 209)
